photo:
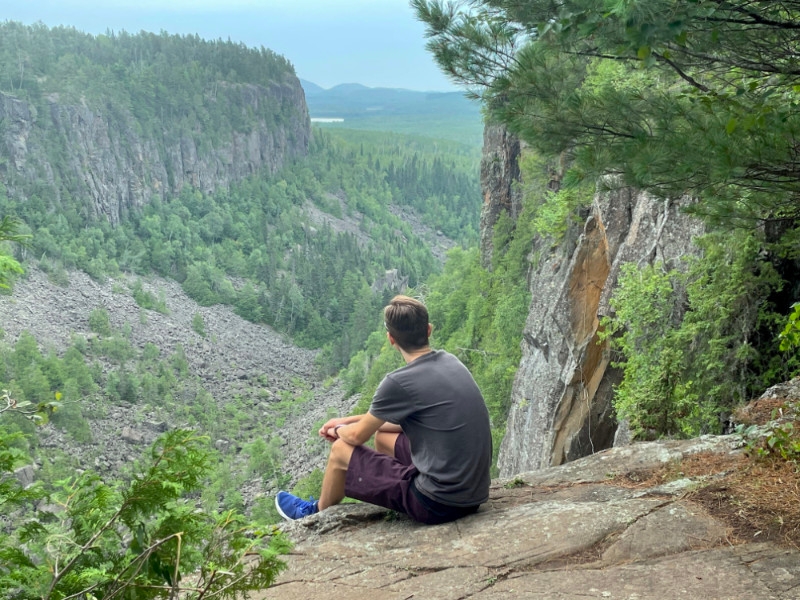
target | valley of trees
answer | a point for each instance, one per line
(301, 277)
(303, 250)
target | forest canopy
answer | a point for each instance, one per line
(693, 97)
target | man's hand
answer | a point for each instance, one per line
(327, 430)
(363, 427)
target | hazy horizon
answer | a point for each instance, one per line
(375, 44)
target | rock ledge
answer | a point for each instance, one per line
(568, 532)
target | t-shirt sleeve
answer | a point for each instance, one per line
(390, 402)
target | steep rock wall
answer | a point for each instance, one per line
(561, 398)
(100, 155)
(499, 178)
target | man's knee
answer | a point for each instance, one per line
(341, 453)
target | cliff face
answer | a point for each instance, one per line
(499, 178)
(102, 156)
(561, 398)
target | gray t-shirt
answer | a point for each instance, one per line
(440, 408)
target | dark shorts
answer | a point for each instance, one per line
(389, 482)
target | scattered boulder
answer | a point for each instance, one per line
(132, 436)
(26, 475)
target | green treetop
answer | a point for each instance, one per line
(697, 97)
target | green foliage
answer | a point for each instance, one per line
(115, 348)
(247, 305)
(69, 416)
(265, 458)
(9, 228)
(142, 539)
(778, 440)
(651, 397)
(689, 341)
(147, 299)
(223, 488)
(782, 440)
(99, 321)
(558, 210)
(790, 336)
(179, 361)
(696, 97)
(199, 325)
(553, 212)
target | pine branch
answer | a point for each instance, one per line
(141, 558)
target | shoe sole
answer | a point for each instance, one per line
(281, 513)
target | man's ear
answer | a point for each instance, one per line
(430, 329)
(391, 339)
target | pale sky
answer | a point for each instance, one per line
(377, 43)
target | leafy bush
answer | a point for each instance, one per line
(790, 336)
(143, 539)
(265, 458)
(147, 300)
(99, 321)
(688, 338)
(199, 325)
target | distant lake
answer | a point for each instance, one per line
(326, 120)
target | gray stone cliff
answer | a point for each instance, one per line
(499, 178)
(102, 156)
(561, 399)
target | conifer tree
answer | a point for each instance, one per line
(697, 97)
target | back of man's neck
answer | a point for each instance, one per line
(410, 357)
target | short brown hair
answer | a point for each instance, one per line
(406, 319)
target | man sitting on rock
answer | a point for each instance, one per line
(433, 443)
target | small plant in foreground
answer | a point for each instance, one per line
(144, 539)
(779, 440)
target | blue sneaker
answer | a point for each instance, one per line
(291, 507)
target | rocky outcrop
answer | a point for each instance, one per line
(499, 183)
(561, 398)
(104, 155)
(569, 532)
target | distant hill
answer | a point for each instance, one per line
(311, 89)
(446, 115)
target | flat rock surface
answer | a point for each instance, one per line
(569, 532)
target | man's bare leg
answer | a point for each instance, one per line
(335, 474)
(385, 441)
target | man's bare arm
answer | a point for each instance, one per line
(360, 431)
(326, 430)
(390, 428)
